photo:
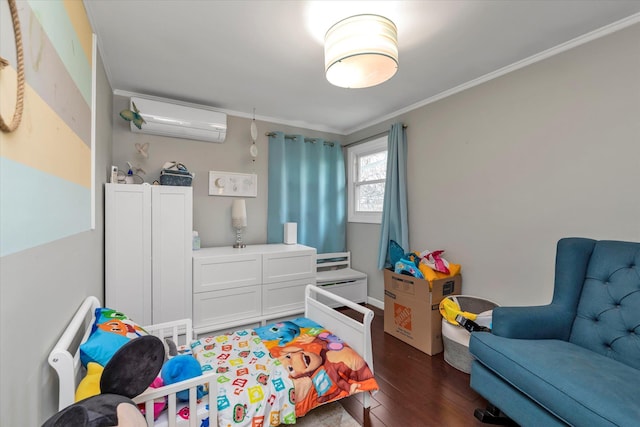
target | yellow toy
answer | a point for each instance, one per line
(450, 309)
(90, 384)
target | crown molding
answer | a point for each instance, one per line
(578, 41)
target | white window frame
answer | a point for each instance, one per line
(353, 153)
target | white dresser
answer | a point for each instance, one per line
(234, 287)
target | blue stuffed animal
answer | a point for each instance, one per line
(284, 331)
(180, 368)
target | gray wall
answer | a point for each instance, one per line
(211, 214)
(498, 173)
(40, 290)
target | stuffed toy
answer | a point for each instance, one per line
(284, 331)
(99, 411)
(127, 374)
(158, 404)
(90, 384)
(180, 368)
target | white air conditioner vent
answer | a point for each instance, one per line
(167, 118)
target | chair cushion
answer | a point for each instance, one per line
(579, 386)
(338, 275)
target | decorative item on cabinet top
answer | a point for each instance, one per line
(233, 184)
(175, 173)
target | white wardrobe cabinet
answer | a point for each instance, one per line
(148, 242)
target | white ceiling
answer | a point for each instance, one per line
(268, 55)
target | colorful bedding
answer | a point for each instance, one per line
(322, 367)
(273, 374)
(253, 387)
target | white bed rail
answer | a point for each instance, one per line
(169, 391)
(355, 333)
(174, 330)
(66, 363)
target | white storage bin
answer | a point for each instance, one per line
(455, 339)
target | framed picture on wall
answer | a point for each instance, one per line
(233, 184)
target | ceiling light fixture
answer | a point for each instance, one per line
(361, 51)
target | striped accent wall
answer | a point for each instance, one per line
(45, 165)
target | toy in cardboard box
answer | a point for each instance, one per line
(413, 289)
(426, 265)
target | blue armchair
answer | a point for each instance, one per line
(575, 361)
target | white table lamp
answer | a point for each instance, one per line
(239, 220)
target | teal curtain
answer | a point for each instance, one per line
(307, 186)
(395, 224)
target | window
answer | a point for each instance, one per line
(367, 171)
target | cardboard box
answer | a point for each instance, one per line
(411, 311)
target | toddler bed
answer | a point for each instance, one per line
(317, 356)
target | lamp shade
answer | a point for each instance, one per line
(239, 213)
(361, 51)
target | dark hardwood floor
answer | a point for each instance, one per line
(415, 389)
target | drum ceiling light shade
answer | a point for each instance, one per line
(361, 51)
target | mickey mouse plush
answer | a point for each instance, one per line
(129, 373)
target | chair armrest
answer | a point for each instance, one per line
(536, 322)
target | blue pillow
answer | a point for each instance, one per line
(110, 331)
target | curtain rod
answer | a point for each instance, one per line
(386, 132)
(312, 140)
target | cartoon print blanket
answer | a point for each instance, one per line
(322, 367)
(253, 387)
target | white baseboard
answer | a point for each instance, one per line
(375, 302)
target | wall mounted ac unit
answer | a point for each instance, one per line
(166, 118)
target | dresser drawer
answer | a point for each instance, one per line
(286, 266)
(283, 296)
(227, 305)
(226, 272)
